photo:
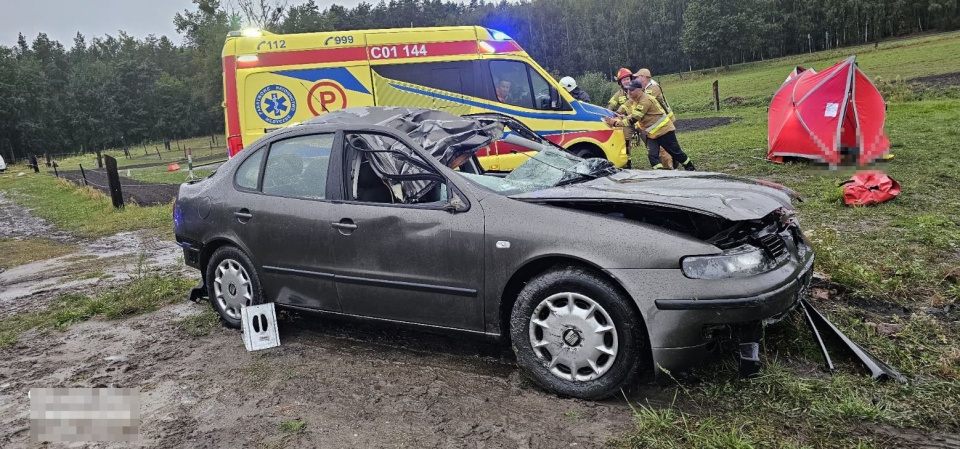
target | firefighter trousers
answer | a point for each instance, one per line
(669, 143)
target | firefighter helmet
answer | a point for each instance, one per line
(623, 73)
(568, 83)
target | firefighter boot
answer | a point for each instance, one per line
(688, 165)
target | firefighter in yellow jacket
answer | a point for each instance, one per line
(626, 109)
(654, 90)
(654, 125)
(624, 78)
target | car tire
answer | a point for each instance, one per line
(585, 153)
(232, 283)
(545, 302)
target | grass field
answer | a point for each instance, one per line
(140, 155)
(895, 269)
(19, 252)
(81, 210)
(753, 84)
(160, 175)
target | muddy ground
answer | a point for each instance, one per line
(353, 385)
(937, 81)
(700, 124)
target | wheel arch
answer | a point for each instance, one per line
(589, 145)
(535, 267)
(216, 243)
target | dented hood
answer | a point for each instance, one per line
(725, 196)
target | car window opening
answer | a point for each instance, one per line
(384, 170)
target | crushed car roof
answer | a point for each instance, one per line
(444, 136)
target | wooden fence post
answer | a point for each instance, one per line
(113, 181)
(716, 95)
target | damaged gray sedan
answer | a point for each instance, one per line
(594, 274)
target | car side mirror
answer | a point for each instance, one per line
(554, 98)
(455, 205)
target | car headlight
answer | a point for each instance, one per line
(741, 261)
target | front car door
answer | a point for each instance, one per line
(412, 262)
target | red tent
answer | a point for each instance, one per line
(796, 71)
(825, 115)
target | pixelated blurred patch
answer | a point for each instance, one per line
(84, 414)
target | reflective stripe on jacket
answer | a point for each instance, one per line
(654, 90)
(618, 99)
(648, 115)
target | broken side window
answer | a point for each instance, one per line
(382, 169)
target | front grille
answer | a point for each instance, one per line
(773, 245)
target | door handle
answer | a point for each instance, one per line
(345, 226)
(243, 215)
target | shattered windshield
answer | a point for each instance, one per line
(549, 168)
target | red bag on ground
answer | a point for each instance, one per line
(869, 187)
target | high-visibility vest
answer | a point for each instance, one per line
(649, 116)
(654, 90)
(617, 100)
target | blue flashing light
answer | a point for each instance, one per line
(177, 216)
(499, 35)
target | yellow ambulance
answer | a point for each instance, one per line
(273, 80)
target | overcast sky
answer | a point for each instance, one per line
(61, 19)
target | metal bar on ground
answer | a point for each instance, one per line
(816, 334)
(878, 369)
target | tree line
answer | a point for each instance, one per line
(115, 91)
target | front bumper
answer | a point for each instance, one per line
(749, 308)
(684, 325)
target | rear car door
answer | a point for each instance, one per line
(283, 218)
(413, 262)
